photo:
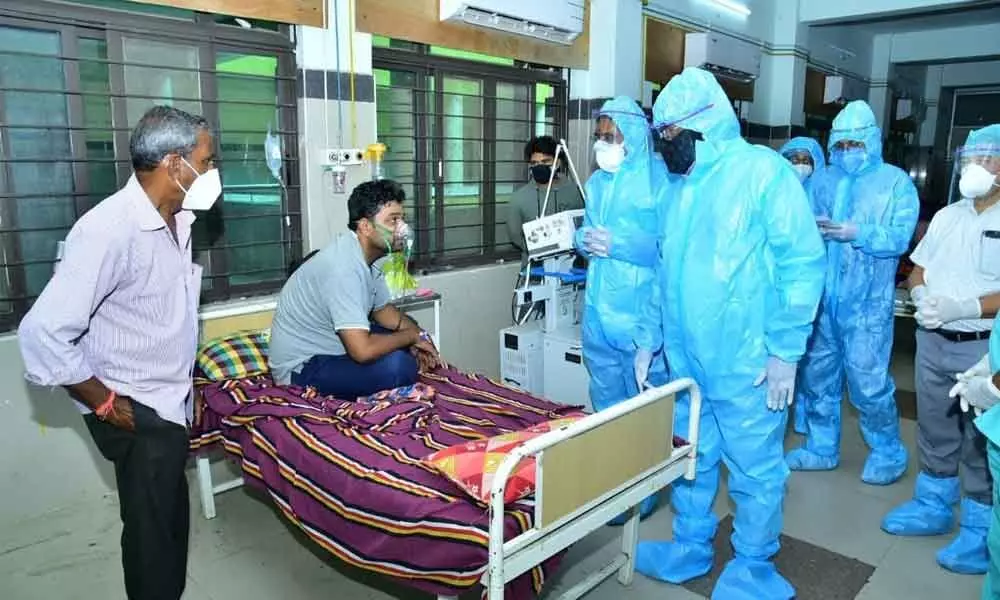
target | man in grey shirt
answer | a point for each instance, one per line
(526, 202)
(334, 328)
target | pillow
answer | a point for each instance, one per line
(233, 357)
(472, 465)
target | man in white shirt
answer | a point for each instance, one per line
(955, 285)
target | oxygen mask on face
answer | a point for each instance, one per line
(399, 242)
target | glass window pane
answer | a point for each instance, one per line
(395, 99)
(252, 196)
(512, 130)
(95, 88)
(154, 75)
(36, 152)
(462, 165)
(472, 56)
(547, 107)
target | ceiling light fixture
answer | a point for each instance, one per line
(736, 7)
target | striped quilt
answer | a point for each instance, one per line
(349, 473)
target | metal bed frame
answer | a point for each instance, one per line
(586, 474)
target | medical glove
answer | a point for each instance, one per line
(935, 311)
(840, 232)
(643, 358)
(983, 368)
(597, 241)
(978, 392)
(780, 378)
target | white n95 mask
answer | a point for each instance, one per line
(976, 181)
(609, 156)
(204, 191)
(802, 171)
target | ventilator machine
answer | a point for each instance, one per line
(542, 353)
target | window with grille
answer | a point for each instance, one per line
(455, 124)
(74, 80)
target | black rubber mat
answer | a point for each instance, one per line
(816, 573)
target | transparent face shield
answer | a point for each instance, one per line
(975, 171)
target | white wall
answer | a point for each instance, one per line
(971, 74)
(703, 14)
(940, 45)
(826, 45)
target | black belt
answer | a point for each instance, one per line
(962, 336)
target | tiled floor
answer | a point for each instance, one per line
(247, 552)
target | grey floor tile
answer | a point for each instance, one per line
(909, 572)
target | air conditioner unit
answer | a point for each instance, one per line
(554, 21)
(837, 88)
(726, 57)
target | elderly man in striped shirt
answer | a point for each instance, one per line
(117, 327)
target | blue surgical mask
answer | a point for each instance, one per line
(851, 160)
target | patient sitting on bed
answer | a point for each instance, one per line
(334, 328)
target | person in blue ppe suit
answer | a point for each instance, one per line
(955, 285)
(979, 389)
(741, 275)
(867, 211)
(620, 238)
(807, 159)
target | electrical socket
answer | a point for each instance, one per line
(345, 156)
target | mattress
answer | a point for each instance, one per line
(348, 473)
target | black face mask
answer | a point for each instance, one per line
(678, 152)
(541, 173)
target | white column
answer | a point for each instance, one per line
(932, 94)
(326, 120)
(614, 69)
(879, 94)
(779, 92)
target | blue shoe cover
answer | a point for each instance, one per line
(800, 419)
(750, 579)
(673, 562)
(967, 553)
(801, 459)
(885, 466)
(929, 513)
(646, 508)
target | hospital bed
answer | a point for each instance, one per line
(366, 498)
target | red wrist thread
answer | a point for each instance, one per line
(108, 407)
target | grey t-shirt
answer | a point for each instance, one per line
(333, 290)
(526, 204)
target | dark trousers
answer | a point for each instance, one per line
(949, 443)
(343, 377)
(153, 496)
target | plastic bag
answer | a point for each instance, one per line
(397, 276)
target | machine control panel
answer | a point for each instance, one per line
(552, 234)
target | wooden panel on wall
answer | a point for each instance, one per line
(213, 328)
(298, 12)
(815, 88)
(418, 21)
(664, 52)
(664, 58)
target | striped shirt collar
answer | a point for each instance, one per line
(147, 217)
